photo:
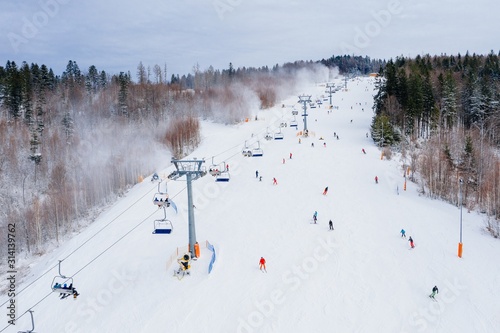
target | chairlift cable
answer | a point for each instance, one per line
(86, 265)
(104, 251)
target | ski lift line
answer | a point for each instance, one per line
(78, 248)
(107, 225)
(25, 312)
(86, 265)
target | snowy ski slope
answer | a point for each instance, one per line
(360, 277)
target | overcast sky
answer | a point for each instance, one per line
(115, 35)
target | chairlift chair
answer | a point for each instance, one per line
(257, 152)
(162, 226)
(246, 151)
(59, 281)
(214, 169)
(293, 123)
(32, 330)
(278, 135)
(223, 177)
(161, 198)
(295, 112)
(268, 135)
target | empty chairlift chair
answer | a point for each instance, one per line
(278, 135)
(257, 152)
(162, 226)
(223, 177)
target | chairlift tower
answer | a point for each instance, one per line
(304, 99)
(192, 170)
(330, 91)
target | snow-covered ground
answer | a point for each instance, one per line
(360, 277)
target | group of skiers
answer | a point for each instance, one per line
(403, 235)
(66, 290)
(435, 290)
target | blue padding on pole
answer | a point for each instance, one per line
(212, 261)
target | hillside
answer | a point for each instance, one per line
(360, 277)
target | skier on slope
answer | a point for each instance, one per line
(376, 180)
(435, 291)
(325, 191)
(275, 182)
(262, 264)
(411, 242)
(403, 233)
(330, 223)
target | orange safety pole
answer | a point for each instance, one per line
(197, 249)
(460, 248)
(404, 186)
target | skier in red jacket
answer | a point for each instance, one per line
(262, 264)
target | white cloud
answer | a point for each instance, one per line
(115, 35)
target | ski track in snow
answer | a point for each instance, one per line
(360, 277)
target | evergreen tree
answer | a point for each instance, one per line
(448, 101)
(13, 90)
(103, 80)
(123, 82)
(27, 93)
(382, 131)
(92, 80)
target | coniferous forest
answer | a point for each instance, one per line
(443, 114)
(71, 143)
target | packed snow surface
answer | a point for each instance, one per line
(360, 277)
